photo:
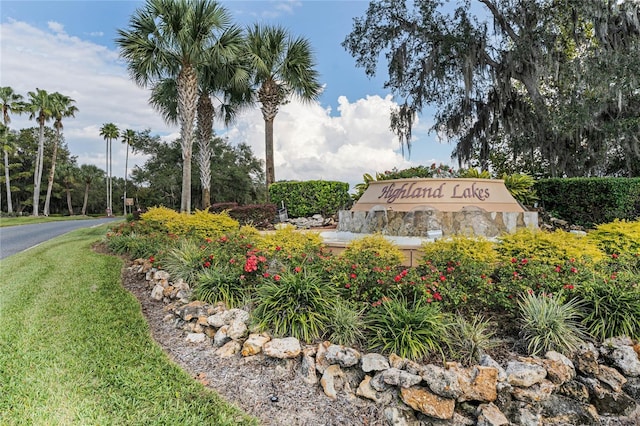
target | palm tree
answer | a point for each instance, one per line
(11, 102)
(89, 174)
(174, 39)
(128, 136)
(281, 66)
(40, 108)
(69, 172)
(228, 83)
(61, 108)
(109, 132)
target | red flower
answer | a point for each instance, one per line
(443, 278)
(353, 276)
(297, 269)
(207, 264)
(354, 266)
(437, 296)
(347, 285)
(568, 286)
(524, 261)
(574, 270)
(514, 260)
(558, 269)
(232, 261)
(152, 259)
(278, 248)
(614, 255)
(398, 278)
(266, 275)
(450, 269)
(276, 277)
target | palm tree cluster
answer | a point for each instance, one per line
(41, 106)
(190, 52)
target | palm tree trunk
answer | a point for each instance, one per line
(52, 173)
(37, 174)
(7, 181)
(126, 165)
(110, 176)
(187, 105)
(268, 151)
(69, 205)
(106, 174)
(86, 200)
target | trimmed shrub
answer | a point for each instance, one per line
(288, 244)
(310, 197)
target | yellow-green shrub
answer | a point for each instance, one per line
(551, 248)
(288, 243)
(202, 224)
(459, 248)
(617, 237)
(159, 217)
(385, 251)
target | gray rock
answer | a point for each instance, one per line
(286, 348)
(611, 377)
(490, 415)
(632, 388)
(196, 337)
(558, 409)
(620, 352)
(487, 361)
(346, 357)
(157, 293)
(401, 378)
(374, 362)
(441, 381)
(221, 337)
(524, 374)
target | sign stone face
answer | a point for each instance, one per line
(445, 195)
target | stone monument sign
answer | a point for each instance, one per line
(422, 207)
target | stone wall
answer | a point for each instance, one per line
(598, 385)
(418, 222)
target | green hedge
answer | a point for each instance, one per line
(590, 201)
(311, 197)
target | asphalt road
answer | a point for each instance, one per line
(14, 239)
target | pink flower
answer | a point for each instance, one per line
(558, 269)
(574, 270)
(276, 277)
(297, 269)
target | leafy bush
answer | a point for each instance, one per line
(521, 187)
(294, 246)
(460, 268)
(517, 276)
(158, 217)
(551, 248)
(612, 306)
(366, 269)
(296, 304)
(591, 201)
(548, 323)
(346, 323)
(410, 330)
(619, 236)
(201, 224)
(469, 339)
(258, 215)
(310, 197)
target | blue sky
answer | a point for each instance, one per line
(67, 46)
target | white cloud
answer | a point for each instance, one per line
(310, 141)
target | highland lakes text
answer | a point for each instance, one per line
(391, 192)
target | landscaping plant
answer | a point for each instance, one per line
(295, 303)
(411, 330)
(549, 323)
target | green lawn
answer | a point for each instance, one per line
(76, 350)
(27, 220)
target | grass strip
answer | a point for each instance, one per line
(28, 220)
(75, 348)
